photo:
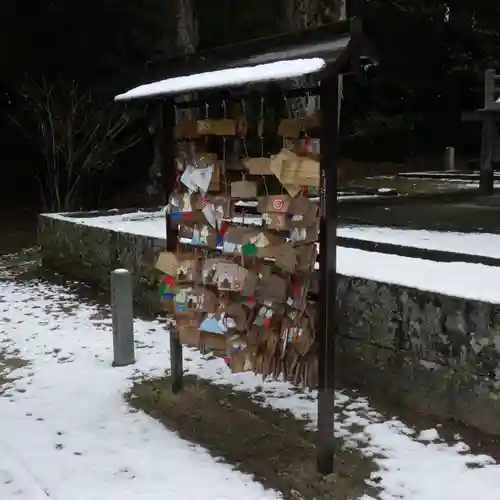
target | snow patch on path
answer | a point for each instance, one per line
(67, 430)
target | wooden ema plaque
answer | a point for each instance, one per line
(240, 291)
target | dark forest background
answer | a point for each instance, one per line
(62, 62)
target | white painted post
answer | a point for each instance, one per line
(123, 318)
(449, 158)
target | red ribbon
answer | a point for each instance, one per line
(307, 142)
(296, 289)
(223, 230)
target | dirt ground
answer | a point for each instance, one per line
(478, 215)
(271, 445)
(17, 230)
(7, 365)
(17, 236)
(407, 185)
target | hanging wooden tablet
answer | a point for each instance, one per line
(305, 235)
(204, 235)
(302, 171)
(286, 257)
(215, 181)
(234, 316)
(188, 268)
(274, 210)
(272, 287)
(243, 190)
(203, 159)
(312, 120)
(167, 263)
(213, 342)
(289, 128)
(186, 129)
(224, 126)
(234, 239)
(302, 213)
(306, 257)
(188, 328)
(258, 166)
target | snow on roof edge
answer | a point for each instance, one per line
(274, 71)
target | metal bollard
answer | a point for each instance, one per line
(449, 158)
(123, 318)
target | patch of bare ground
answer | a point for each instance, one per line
(9, 363)
(18, 230)
(271, 445)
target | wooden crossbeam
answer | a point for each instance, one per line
(481, 114)
(472, 116)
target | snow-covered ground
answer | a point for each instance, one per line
(459, 279)
(66, 432)
(483, 244)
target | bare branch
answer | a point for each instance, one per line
(77, 134)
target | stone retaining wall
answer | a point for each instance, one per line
(436, 354)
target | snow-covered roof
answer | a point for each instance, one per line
(232, 77)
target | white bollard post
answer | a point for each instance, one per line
(123, 318)
(449, 158)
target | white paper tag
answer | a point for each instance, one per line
(202, 177)
(210, 215)
(219, 215)
(260, 241)
(187, 178)
(229, 247)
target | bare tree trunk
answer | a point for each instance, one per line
(180, 33)
(187, 27)
(77, 134)
(302, 14)
(185, 42)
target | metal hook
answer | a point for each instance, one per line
(288, 107)
(244, 107)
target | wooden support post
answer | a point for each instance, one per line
(326, 326)
(488, 140)
(489, 88)
(169, 176)
(123, 318)
(488, 136)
